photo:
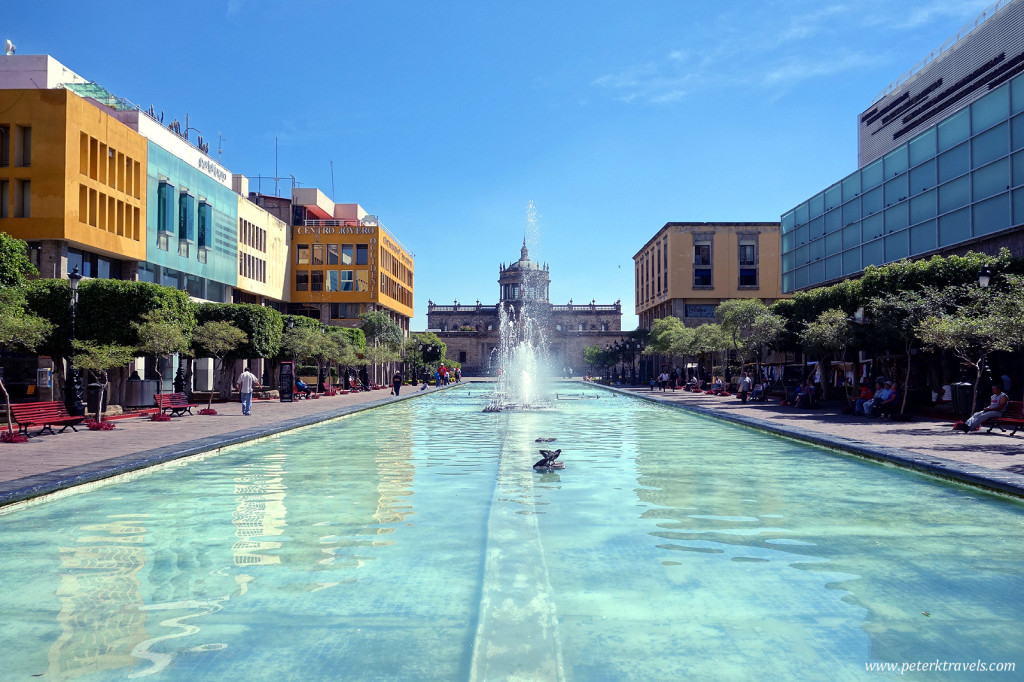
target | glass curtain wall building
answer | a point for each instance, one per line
(954, 184)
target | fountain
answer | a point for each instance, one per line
(523, 368)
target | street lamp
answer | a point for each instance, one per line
(73, 383)
(984, 277)
(322, 377)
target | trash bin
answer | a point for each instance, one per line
(140, 392)
(94, 392)
(961, 393)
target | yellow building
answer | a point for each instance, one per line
(262, 252)
(344, 263)
(72, 184)
(687, 269)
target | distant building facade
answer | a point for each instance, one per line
(472, 332)
(686, 269)
(941, 156)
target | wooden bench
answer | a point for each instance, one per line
(1014, 416)
(45, 414)
(175, 403)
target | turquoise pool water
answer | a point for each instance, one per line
(415, 541)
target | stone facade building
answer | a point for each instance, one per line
(472, 332)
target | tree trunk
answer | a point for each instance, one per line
(7, 402)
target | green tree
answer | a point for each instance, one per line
(750, 326)
(19, 330)
(218, 339)
(383, 339)
(160, 334)
(15, 266)
(825, 339)
(100, 359)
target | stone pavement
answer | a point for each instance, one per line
(993, 460)
(50, 463)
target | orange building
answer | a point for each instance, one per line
(344, 263)
(72, 184)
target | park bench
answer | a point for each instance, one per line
(1014, 416)
(175, 403)
(46, 414)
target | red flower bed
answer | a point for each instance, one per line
(207, 410)
(94, 425)
(12, 437)
(160, 418)
(330, 392)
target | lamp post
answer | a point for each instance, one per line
(73, 383)
(984, 277)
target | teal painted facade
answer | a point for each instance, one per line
(192, 229)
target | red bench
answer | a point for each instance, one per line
(45, 414)
(1014, 416)
(175, 403)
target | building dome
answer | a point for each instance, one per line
(524, 279)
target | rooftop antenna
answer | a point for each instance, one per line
(9, 47)
(220, 148)
(332, 180)
(277, 192)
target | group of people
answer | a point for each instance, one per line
(884, 401)
(444, 376)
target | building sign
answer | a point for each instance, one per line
(213, 170)
(332, 229)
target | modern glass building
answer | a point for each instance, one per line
(942, 166)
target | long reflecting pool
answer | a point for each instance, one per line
(415, 541)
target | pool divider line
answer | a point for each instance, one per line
(41, 487)
(993, 480)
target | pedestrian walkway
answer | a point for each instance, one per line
(49, 463)
(928, 444)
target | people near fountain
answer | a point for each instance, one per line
(654, 382)
(758, 392)
(437, 377)
(364, 378)
(444, 375)
(673, 378)
(396, 383)
(570, 372)
(743, 390)
(301, 387)
(246, 383)
(883, 389)
(663, 380)
(458, 375)
(716, 385)
(586, 378)
(864, 396)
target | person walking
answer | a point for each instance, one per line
(246, 382)
(744, 388)
(396, 383)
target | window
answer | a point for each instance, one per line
(344, 311)
(346, 254)
(23, 148)
(302, 280)
(302, 254)
(748, 260)
(186, 217)
(362, 254)
(22, 198)
(347, 280)
(205, 224)
(332, 280)
(318, 254)
(362, 280)
(316, 280)
(5, 198)
(5, 146)
(700, 310)
(701, 262)
(332, 254)
(165, 207)
(163, 241)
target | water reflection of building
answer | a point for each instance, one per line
(260, 511)
(101, 613)
(472, 332)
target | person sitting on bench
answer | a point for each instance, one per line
(301, 387)
(996, 408)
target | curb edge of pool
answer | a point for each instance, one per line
(992, 480)
(29, 488)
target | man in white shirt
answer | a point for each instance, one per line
(246, 382)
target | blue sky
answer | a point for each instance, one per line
(447, 118)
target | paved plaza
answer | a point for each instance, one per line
(54, 462)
